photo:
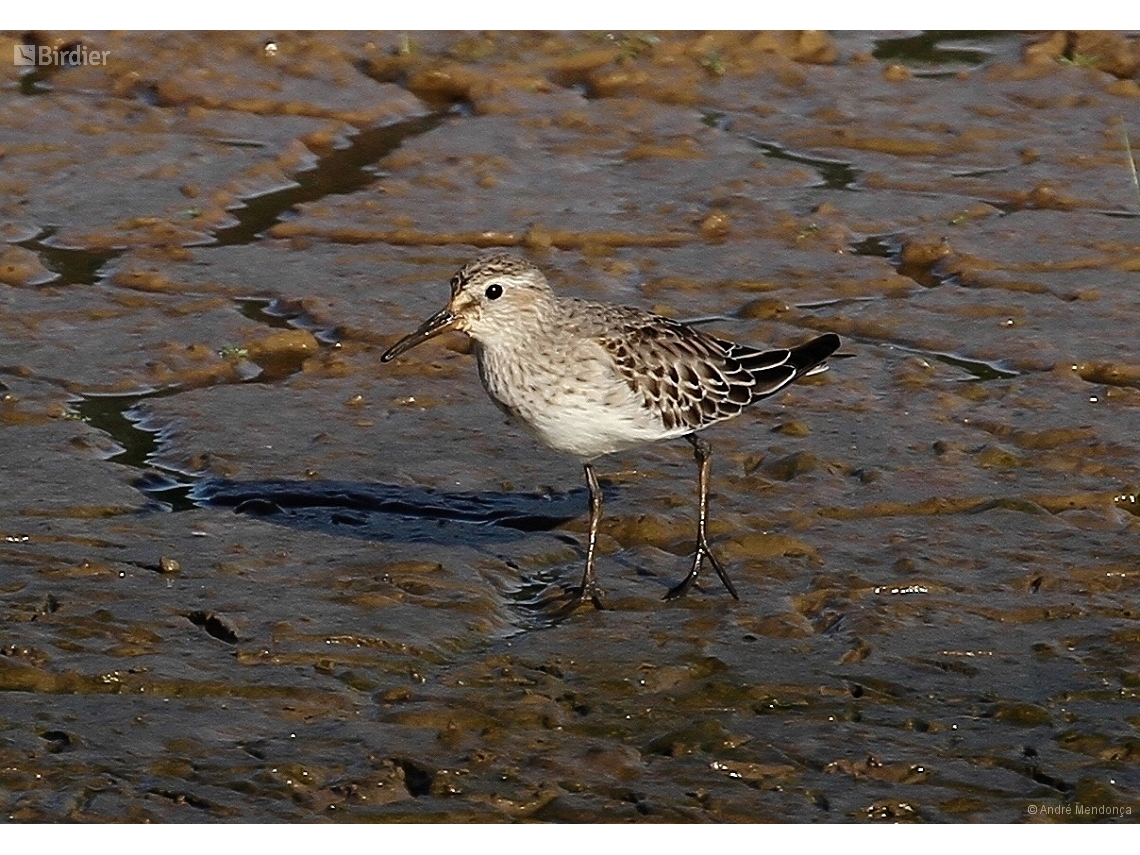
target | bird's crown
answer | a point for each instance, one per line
(491, 265)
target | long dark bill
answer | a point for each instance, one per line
(440, 322)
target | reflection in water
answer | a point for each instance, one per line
(937, 54)
(833, 174)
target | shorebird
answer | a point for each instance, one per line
(591, 378)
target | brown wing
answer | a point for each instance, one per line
(691, 378)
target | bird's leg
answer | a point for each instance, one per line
(589, 589)
(562, 605)
(703, 453)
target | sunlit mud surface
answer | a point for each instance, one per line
(250, 573)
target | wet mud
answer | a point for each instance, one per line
(249, 573)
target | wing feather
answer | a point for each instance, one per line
(694, 379)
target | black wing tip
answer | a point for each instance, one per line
(810, 354)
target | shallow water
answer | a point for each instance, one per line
(250, 573)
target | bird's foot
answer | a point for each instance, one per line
(570, 599)
(720, 572)
(682, 587)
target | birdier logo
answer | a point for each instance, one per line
(46, 55)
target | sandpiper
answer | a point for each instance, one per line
(592, 378)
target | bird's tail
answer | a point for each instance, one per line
(809, 357)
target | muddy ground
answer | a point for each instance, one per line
(249, 573)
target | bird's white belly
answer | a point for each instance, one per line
(581, 426)
(586, 410)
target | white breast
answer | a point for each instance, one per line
(572, 401)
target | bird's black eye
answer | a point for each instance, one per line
(494, 291)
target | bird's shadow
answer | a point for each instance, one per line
(382, 512)
(385, 512)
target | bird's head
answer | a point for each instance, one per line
(493, 296)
